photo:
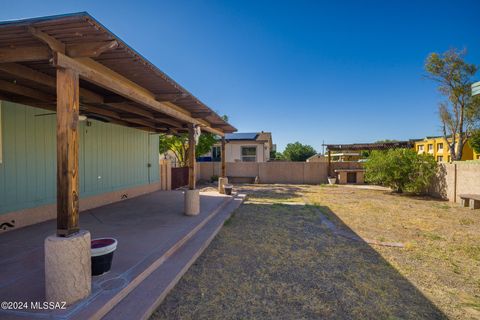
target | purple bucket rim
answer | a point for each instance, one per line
(102, 242)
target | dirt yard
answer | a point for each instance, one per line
(311, 252)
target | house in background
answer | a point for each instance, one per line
(438, 148)
(317, 158)
(243, 147)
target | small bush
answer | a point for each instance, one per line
(401, 170)
(214, 178)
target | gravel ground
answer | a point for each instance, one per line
(279, 258)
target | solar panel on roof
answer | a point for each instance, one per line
(241, 136)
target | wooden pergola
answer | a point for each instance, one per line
(73, 65)
(365, 147)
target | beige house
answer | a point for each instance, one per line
(243, 147)
(317, 158)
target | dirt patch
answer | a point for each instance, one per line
(274, 260)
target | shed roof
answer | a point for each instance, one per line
(23, 46)
(369, 146)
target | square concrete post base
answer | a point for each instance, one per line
(221, 183)
(68, 268)
(192, 202)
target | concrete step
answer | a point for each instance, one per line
(98, 305)
(142, 301)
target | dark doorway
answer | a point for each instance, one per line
(351, 177)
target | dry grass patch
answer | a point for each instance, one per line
(273, 260)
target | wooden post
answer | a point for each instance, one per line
(191, 156)
(223, 156)
(67, 152)
(329, 163)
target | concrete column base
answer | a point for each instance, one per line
(192, 202)
(68, 268)
(221, 183)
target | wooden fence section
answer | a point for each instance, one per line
(179, 177)
(165, 169)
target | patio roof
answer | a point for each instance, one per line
(117, 84)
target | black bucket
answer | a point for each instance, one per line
(228, 189)
(102, 255)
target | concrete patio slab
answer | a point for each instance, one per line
(149, 230)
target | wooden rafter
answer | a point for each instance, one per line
(123, 106)
(24, 54)
(24, 72)
(25, 91)
(107, 78)
(201, 114)
(90, 49)
(44, 42)
(53, 43)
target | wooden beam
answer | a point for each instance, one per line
(24, 54)
(29, 101)
(100, 75)
(223, 156)
(132, 109)
(201, 114)
(25, 91)
(170, 96)
(68, 104)
(191, 156)
(171, 122)
(90, 49)
(53, 43)
(138, 120)
(24, 72)
(118, 119)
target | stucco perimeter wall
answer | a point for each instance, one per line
(454, 179)
(270, 172)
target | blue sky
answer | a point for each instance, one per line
(308, 71)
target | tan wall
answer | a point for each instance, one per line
(456, 178)
(270, 172)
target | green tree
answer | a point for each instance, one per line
(298, 152)
(459, 112)
(475, 141)
(401, 170)
(275, 155)
(178, 144)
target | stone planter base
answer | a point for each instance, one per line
(332, 180)
(68, 274)
(221, 183)
(192, 202)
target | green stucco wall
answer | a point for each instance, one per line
(112, 157)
